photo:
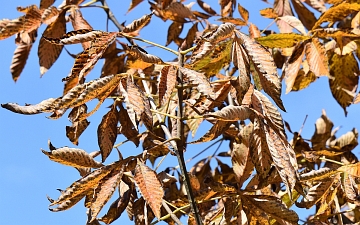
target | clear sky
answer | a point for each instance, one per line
(27, 175)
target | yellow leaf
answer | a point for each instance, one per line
(281, 40)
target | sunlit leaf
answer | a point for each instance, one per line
(281, 40)
(149, 187)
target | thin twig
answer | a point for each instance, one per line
(333, 161)
(150, 42)
(173, 216)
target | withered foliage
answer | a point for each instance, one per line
(269, 172)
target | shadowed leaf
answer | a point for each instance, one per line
(107, 132)
(47, 52)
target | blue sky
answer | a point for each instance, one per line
(27, 175)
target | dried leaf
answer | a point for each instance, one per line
(318, 175)
(127, 127)
(47, 52)
(307, 18)
(174, 32)
(72, 157)
(139, 103)
(167, 82)
(323, 127)
(214, 132)
(282, 8)
(30, 109)
(74, 131)
(232, 113)
(104, 191)
(176, 11)
(241, 161)
(82, 185)
(70, 202)
(337, 12)
(116, 208)
(76, 36)
(263, 105)
(243, 13)
(107, 132)
(273, 207)
(138, 24)
(149, 187)
(133, 4)
(344, 70)
(222, 32)
(292, 66)
(236, 21)
(268, 13)
(259, 150)
(203, 84)
(295, 23)
(317, 58)
(21, 53)
(206, 7)
(44, 4)
(79, 23)
(265, 66)
(27, 23)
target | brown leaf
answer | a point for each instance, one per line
(203, 84)
(72, 157)
(44, 4)
(283, 8)
(166, 85)
(105, 190)
(206, 7)
(149, 187)
(138, 24)
(70, 202)
(259, 150)
(107, 132)
(223, 32)
(47, 52)
(27, 23)
(305, 15)
(284, 158)
(133, 4)
(82, 185)
(86, 60)
(138, 59)
(236, 21)
(243, 13)
(241, 60)
(76, 36)
(28, 109)
(214, 132)
(345, 72)
(176, 11)
(232, 113)
(265, 66)
(318, 175)
(323, 127)
(127, 127)
(317, 58)
(49, 15)
(346, 142)
(241, 161)
(272, 206)
(74, 131)
(337, 13)
(24, 43)
(190, 37)
(294, 22)
(139, 103)
(292, 66)
(96, 88)
(174, 32)
(116, 208)
(269, 13)
(263, 105)
(79, 23)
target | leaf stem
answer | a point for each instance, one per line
(330, 160)
(150, 42)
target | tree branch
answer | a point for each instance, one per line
(180, 144)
